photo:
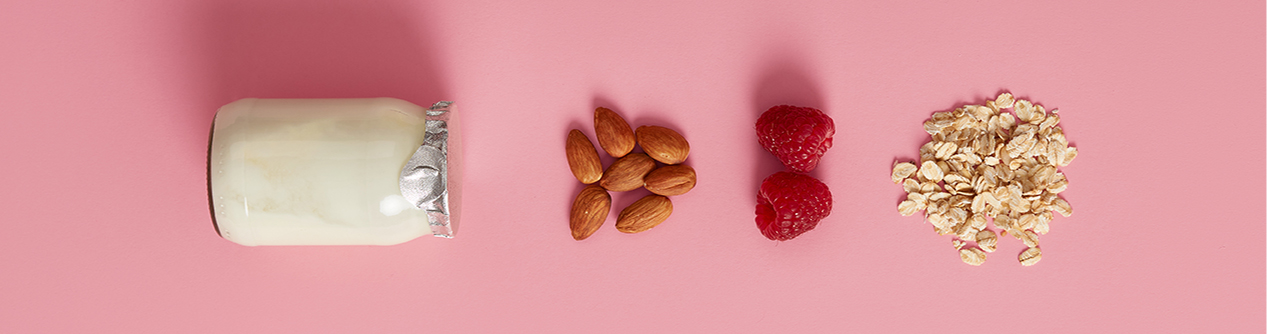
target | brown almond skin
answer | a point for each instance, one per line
(671, 180)
(614, 134)
(644, 214)
(583, 158)
(627, 173)
(589, 211)
(662, 144)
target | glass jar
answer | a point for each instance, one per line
(327, 171)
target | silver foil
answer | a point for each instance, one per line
(426, 180)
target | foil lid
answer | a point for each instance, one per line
(425, 179)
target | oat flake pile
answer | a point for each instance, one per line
(985, 162)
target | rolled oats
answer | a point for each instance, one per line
(1029, 257)
(1004, 101)
(919, 199)
(907, 208)
(987, 240)
(938, 221)
(930, 171)
(1003, 222)
(1058, 186)
(928, 187)
(1029, 238)
(967, 232)
(910, 186)
(903, 170)
(945, 150)
(1041, 226)
(978, 205)
(1000, 159)
(990, 200)
(1070, 153)
(1027, 221)
(954, 178)
(972, 255)
(1062, 207)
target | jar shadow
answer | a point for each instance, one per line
(275, 49)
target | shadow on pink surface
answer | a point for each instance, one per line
(279, 49)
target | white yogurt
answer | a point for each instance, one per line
(315, 171)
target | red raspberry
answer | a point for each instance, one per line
(790, 204)
(798, 136)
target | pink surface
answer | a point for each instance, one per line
(107, 107)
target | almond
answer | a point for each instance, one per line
(614, 134)
(644, 214)
(583, 158)
(662, 144)
(589, 211)
(670, 180)
(627, 173)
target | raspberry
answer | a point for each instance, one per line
(790, 204)
(798, 136)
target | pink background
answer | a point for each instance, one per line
(107, 105)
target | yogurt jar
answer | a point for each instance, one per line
(376, 171)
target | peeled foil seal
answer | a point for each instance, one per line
(429, 179)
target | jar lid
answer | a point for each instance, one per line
(424, 181)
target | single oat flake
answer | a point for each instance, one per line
(1030, 256)
(972, 255)
(987, 240)
(903, 170)
(907, 208)
(989, 167)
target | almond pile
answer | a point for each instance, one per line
(630, 171)
(985, 162)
